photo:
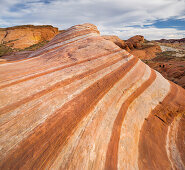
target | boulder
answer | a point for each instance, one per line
(136, 41)
(82, 102)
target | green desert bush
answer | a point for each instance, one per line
(4, 50)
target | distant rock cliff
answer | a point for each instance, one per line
(26, 35)
(182, 40)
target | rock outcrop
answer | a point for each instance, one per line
(135, 41)
(26, 35)
(116, 40)
(135, 45)
(81, 102)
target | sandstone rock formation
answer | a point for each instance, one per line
(135, 46)
(16, 56)
(116, 40)
(26, 35)
(81, 102)
(135, 41)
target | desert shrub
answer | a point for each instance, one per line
(4, 50)
(35, 46)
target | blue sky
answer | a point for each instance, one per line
(179, 24)
(155, 19)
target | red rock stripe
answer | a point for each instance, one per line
(68, 37)
(60, 84)
(45, 50)
(181, 138)
(44, 57)
(152, 142)
(45, 143)
(57, 69)
(112, 151)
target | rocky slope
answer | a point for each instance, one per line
(146, 52)
(170, 63)
(136, 45)
(26, 35)
(81, 102)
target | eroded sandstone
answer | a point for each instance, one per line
(81, 102)
(24, 36)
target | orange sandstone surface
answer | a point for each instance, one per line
(26, 35)
(146, 53)
(81, 102)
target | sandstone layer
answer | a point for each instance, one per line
(116, 40)
(24, 36)
(81, 102)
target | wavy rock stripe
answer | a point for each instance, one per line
(171, 146)
(95, 136)
(112, 152)
(66, 74)
(155, 131)
(180, 138)
(130, 131)
(32, 106)
(50, 62)
(81, 102)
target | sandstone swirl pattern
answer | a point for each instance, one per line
(81, 102)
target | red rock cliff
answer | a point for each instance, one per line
(26, 35)
(81, 102)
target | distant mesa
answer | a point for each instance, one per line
(20, 37)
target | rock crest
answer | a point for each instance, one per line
(81, 102)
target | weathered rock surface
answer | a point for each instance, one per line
(16, 56)
(26, 35)
(135, 46)
(146, 53)
(135, 41)
(116, 40)
(81, 102)
(171, 70)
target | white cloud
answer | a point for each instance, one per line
(150, 33)
(108, 14)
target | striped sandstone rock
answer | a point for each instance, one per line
(81, 102)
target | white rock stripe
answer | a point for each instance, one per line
(138, 110)
(40, 83)
(62, 44)
(52, 102)
(171, 147)
(91, 138)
